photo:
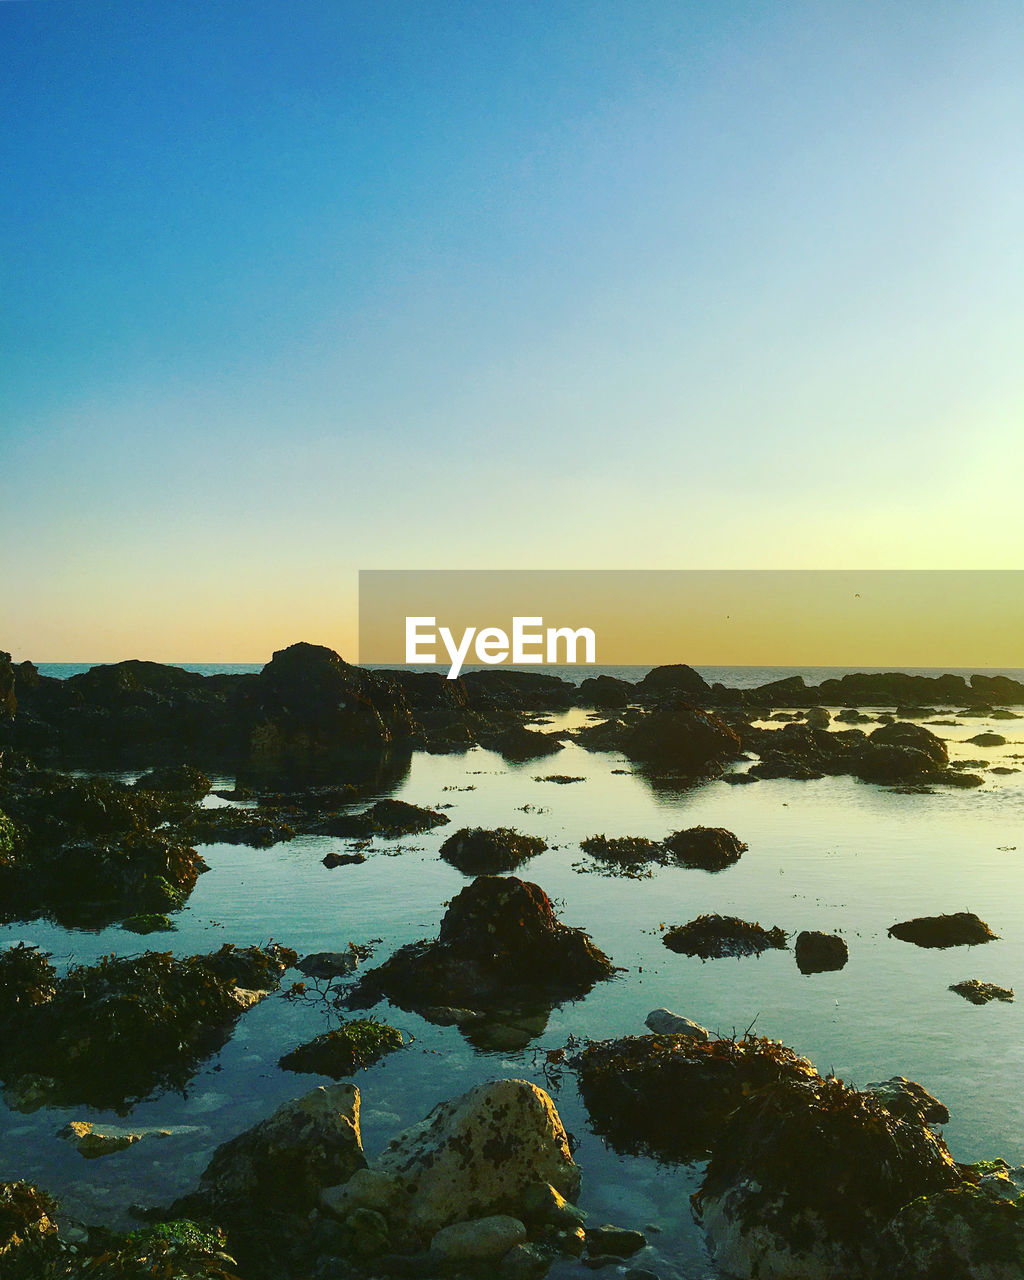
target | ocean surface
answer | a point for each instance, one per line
(833, 854)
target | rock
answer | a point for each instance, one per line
(624, 855)
(605, 691)
(229, 825)
(709, 848)
(908, 1100)
(109, 1033)
(670, 682)
(471, 1157)
(332, 860)
(820, 952)
(913, 736)
(355, 1044)
(368, 1233)
(8, 698)
(616, 1241)
(387, 818)
(519, 743)
(817, 718)
(150, 922)
(476, 851)
(988, 740)
(713, 937)
(178, 780)
(805, 1177)
(478, 1240)
(978, 992)
(668, 1096)
(664, 1023)
(281, 1164)
(93, 1143)
(962, 929)
(524, 1262)
(328, 964)
(500, 947)
(26, 1223)
(957, 1234)
(542, 1203)
(695, 743)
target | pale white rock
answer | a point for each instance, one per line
(665, 1023)
(478, 1239)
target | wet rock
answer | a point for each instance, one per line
(913, 736)
(616, 1241)
(479, 1239)
(386, 818)
(668, 1096)
(908, 1100)
(624, 855)
(665, 1023)
(978, 992)
(519, 743)
(714, 937)
(476, 851)
(671, 682)
(471, 1157)
(499, 943)
(112, 1032)
(344, 1050)
(280, 1165)
(605, 691)
(1001, 713)
(92, 1143)
(988, 740)
(524, 1262)
(961, 929)
(692, 742)
(820, 952)
(709, 848)
(957, 1234)
(148, 922)
(178, 780)
(805, 1178)
(542, 1203)
(26, 1225)
(329, 964)
(560, 779)
(817, 718)
(234, 826)
(332, 860)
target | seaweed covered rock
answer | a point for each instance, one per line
(914, 736)
(500, 943)
(820, 952)
(26, 979)
(964, 1233)
(709, 848)
(961, 929)
(178, 780)
(909, 1100)
(978, 992)
(806, 1175)
(668, 1095)
(386, 818)
(683, 739)
(110, 1033)
(714, 937)
(477, 851)
(230, 825)
(471, 1157)
(26, 1226)
(344, 1050)
(518, 743)
(630, 856)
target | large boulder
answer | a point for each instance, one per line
(966, 1233)
(960, 929)
(500, 946)
(805, 1177)
(820, 952)
(472, 1157)
(673, 681)
(682, 739)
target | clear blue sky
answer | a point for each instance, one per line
(295, 288)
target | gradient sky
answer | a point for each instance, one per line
(293, 288)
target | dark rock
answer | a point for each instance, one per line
(234, 826)
(978, 992)
(628, 855)
(519, 743)
(772, 1186)
(477, 851)
(988, 740)
(709, 848)
(500, 943)
(332, 860)
(344, 1050)
(693, 742)
(820, 952)
(714, 937)
(503, 689)
(617, 1241)
(908, 1100)
(8, 699)
(914, 736)
(962, 929)
(329, 964)
(958, 1234)
(179, 780)
(670, 682)
(668, 1096)
(386, 818)
(605, 691)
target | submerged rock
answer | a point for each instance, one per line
(472, 1157)
(714, 937)
(386, 818)
(805, 1178)
(961, 929)
(345, 1049)
(709, 848)
(820, 952)
(477, 851)
(668, 1095)
(500, 944)
(978, 992)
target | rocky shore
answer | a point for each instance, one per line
(803, 1176)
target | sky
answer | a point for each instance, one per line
(296, 288)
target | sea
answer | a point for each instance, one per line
(834, 854)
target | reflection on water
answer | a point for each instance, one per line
(833, 855)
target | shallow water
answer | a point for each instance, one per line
(833, 854)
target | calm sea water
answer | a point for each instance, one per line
(833, 854)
